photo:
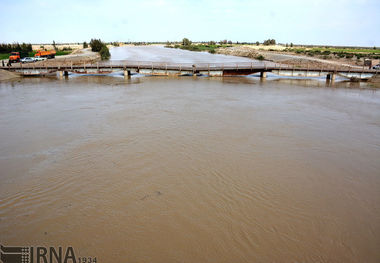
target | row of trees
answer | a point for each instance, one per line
(269, 42)
(187, 42)
(24, 48)
(98, 46)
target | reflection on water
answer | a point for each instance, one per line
(191, 169)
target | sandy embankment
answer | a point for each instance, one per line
(278, 57)
(7, 75)
(77, 57)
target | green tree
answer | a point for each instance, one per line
(104, 52)
(85, 45)
(54, 46)
(186, 42)
(96, 45)
(269, 42)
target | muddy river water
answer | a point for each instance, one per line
(191, 169)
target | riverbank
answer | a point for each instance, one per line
(288, 58)
(7, 75)
(297, 56)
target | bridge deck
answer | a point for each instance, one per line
(242, 68)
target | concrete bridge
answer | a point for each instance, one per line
(177, 69)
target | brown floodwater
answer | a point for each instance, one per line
(192, 169)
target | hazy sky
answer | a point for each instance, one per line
(333, 22)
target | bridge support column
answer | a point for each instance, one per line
(63, 73)
(263, 74)
(331, 76)
(127, 73)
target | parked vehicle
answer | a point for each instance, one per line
(27, 60)
(376, 67)
(45, 54)
(14, 57)
(37, 58)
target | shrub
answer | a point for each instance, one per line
(96, 45)
(260, 57)
(349, 55)
(269, 42)
(326, 52)
(341, 55)
(212, 51)
(186, 42)
(85, 45)
(104, 52)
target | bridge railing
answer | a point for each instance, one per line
(260, 65)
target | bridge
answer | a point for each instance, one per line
(178, 69)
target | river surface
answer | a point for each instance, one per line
(192, 169)
(170, 55)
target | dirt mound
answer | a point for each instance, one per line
(7, 75)
(375, 79)
(240, 51)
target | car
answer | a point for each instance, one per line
(376, 67)
(39, 58)
(27, 60)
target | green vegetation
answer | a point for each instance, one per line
(85, 45)
(24, 49)
(326, 52)
(98, 46)
(186, 42)
(4, 55)
(269, 42)
(210, 46)
(260, 57)
(104, 53)
(32, 53)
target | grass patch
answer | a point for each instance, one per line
(4, 55)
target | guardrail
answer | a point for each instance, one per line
(124, 64)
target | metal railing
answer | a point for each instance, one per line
(203, 66)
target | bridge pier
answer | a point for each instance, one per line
(263, 74)
(127, 73)
(331, 76)
(63, 73)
